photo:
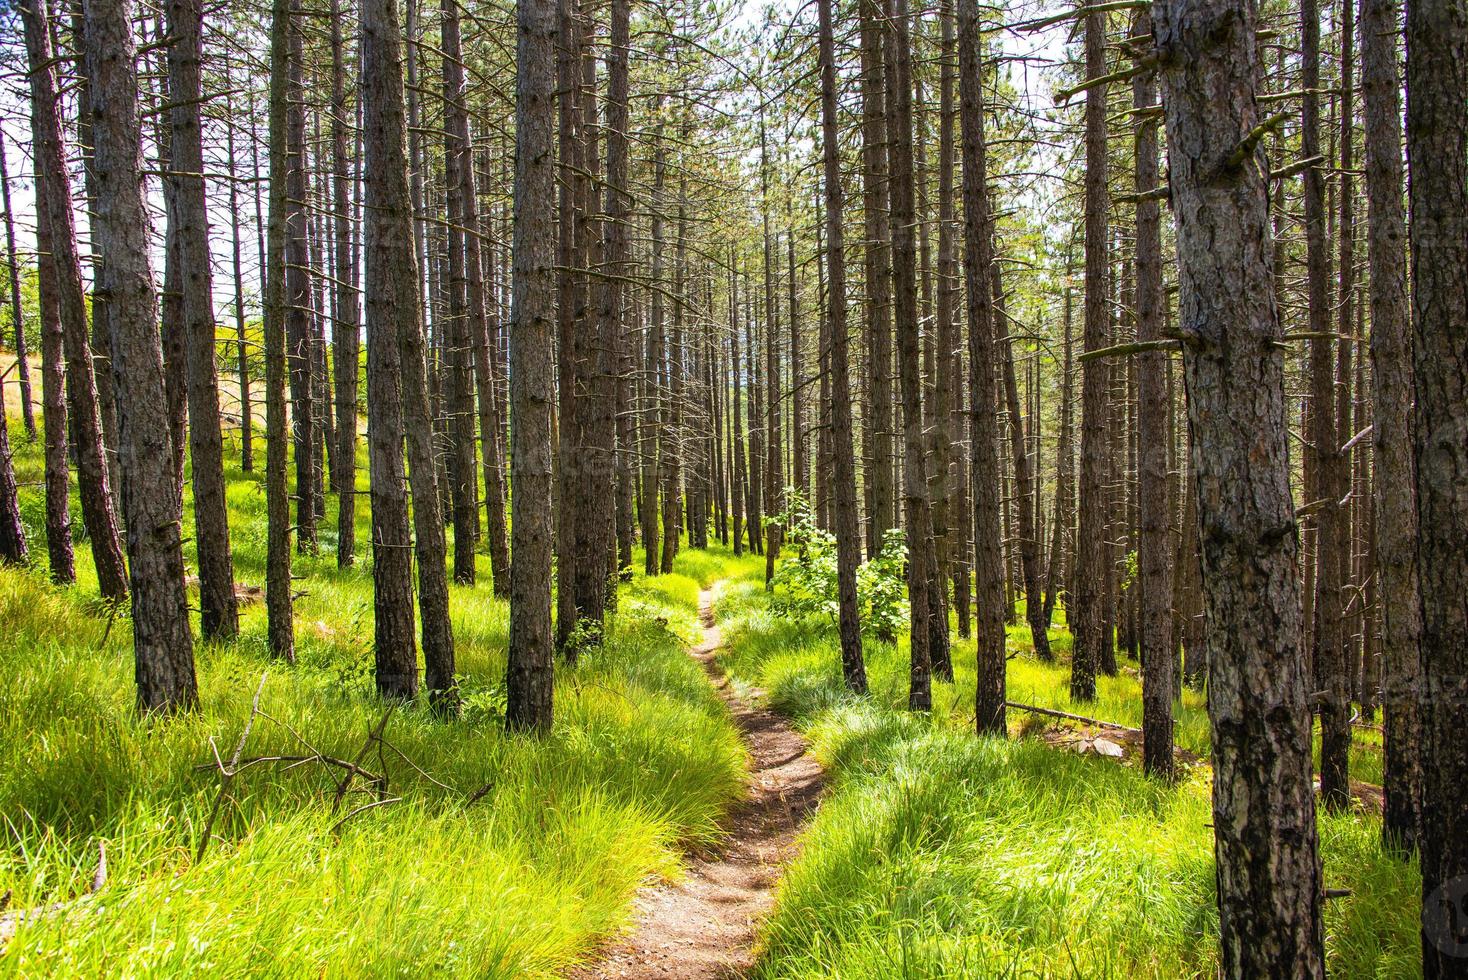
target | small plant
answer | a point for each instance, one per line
(881, 588)
(805, 582)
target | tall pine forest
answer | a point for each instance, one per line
(715, 488)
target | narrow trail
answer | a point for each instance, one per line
(704, 925)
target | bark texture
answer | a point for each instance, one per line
(1394, 492)
(83, 418)
(1437, 150)
(978, 258)
(848, 544)
(279, 605)
(219, 616)
(391, 298)
(1154, 544)
(529, 672)
(1265, 845)
(1087, 613)
(162, 644)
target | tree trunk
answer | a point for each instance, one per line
(736, 417)
(529, 669)
(1085, 608)
(1062, 545)
(391, 298)
(101, 340)
(483, 329)
(953, 478)
(279, 608)
(1154, 542)
(345, 334)
(772, 489)
(651, 418)
(1394, 496)
(614, 328)
(81, 422)
(596, 538)
(60, 554)
(877, 426)
(675, 442)
(1328, 648)
(848, 541)
(1029, 539)
(401, 277)
(1437, 152)
(920, 563)
(298, 306)
(570, 303)
(162, 644)
(242, 344)
(1268, 868)
(219, 616)
(978, 258)
(458, 331)
(22, 361)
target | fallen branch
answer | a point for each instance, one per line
(298, 760)
(364, 807)
(1067, 716)
(227, 773)
(373, 736)
(10, 922)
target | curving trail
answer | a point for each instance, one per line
(705, 925)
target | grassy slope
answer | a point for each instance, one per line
(521, 882)
(939, 854)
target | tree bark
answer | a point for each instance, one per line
(60, 554)
(82, 420)
(162, 644)
(391, 298)
(920, 564)
(1087, 615)
(529, 670)
(242, 344)
(1394, 495)
(1029, 539)
(848, 542)
(298, 305)
(1268, 867)
(877, 429)
(279, 608)
(1437, 153)
(978, 259)
(650, 422)
(1328, 647)
(22, 361)
(1154, 540)
(1062, 545)
(219, 616)
(345, 334)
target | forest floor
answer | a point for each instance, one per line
(489, 855)
(936, 853)
(704, 925)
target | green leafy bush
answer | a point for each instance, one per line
(804, 583)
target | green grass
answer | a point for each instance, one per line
(940, 854)
(522, 882)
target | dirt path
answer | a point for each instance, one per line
(704, 925)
